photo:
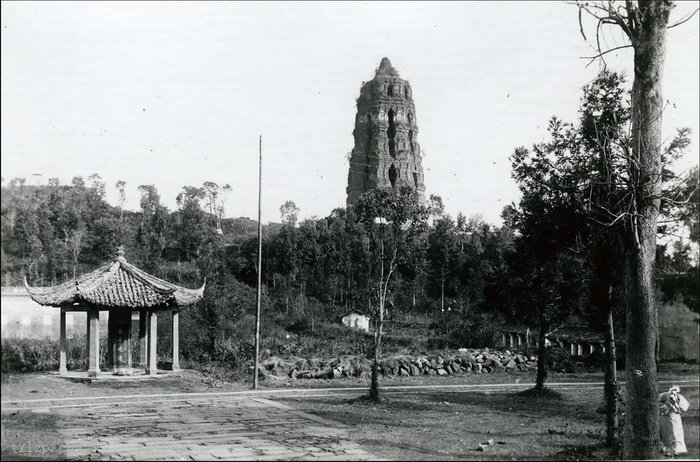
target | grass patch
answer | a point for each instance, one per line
(31, 436)
(585, 452)
(364, 400)
(445, 425)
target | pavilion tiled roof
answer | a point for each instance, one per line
(116, 285)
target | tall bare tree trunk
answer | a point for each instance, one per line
(442, 292)
(542, 352)
(374, 385)
(642, 416)
(641, 410)
(611, 419)
(645, 23)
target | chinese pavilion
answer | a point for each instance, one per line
(121, 289)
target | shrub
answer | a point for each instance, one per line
(595, 359)
(31, 354)
(559, 359)
(301, 326)
(24, 355)
(76, 352)
(437, 343)
(452, 330)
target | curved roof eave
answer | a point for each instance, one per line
(116, 285)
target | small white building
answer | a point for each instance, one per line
(356, 320)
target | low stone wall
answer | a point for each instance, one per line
(464, 361)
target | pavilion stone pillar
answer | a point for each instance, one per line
(176, 341)
(152, 366)
(129, 352)
(143, 339)
(93, 342)
(62, 369)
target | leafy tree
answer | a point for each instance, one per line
(442, 245)
(546, 282)
(289, 212)
(120, 185)
(644, 23)
(121, 188)
(391, 219)
(480, 256)
(344, 258)
(190, 223)
(585, 171)
(215, 199)
(287, 253)
(689, 204)
(153, 227)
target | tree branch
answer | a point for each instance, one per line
(686, 19)
(601, 54)
(631, 18)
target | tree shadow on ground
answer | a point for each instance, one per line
(562, 405)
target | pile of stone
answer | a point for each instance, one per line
(478, 361)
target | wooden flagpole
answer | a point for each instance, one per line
(257, 316)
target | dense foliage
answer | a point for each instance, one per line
(555, 259)
(313, 271)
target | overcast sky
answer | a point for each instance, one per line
(176, 94)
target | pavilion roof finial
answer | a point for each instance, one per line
(120, 253)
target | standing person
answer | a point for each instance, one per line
(671, 426)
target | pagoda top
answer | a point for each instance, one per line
(385, 69)
(116, 285)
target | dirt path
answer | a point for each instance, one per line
(204, 428)
(101, 401)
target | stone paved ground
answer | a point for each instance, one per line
(213, 428)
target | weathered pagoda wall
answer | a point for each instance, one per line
(386, 152)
